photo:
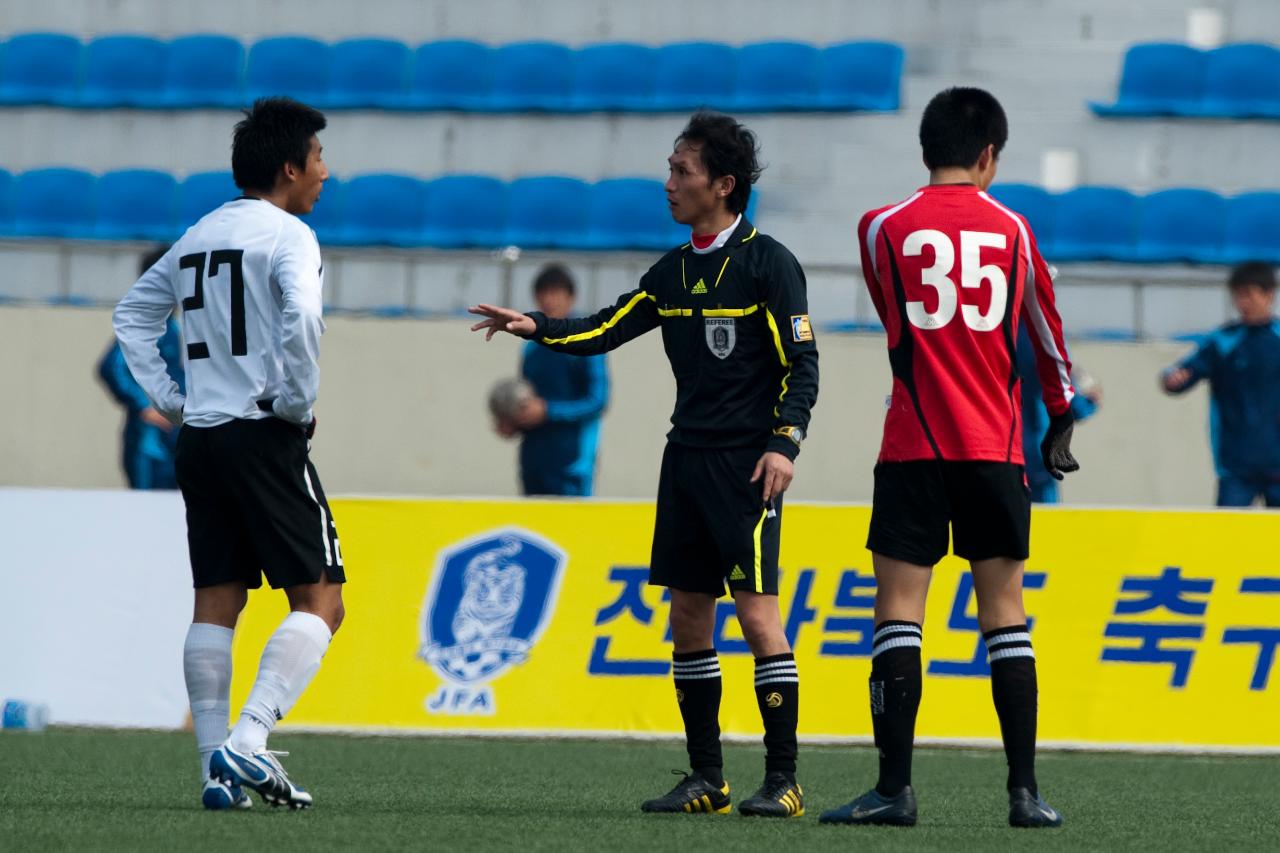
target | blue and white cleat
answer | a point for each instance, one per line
(1030, 811)
(873, 809)
(261, 772)
(219, 796)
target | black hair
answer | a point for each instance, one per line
(552, 277)
(958, 124)
(1257, 273)
(725, 148)
(274, 131)
(151, 258)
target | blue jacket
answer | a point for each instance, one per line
(559, 457)
(1242, 364)
(1035, 417)
(148, 450)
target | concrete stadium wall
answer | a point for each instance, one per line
(402, 412)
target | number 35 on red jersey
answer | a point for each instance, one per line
(953, 274)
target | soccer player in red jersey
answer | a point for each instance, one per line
(953, 273)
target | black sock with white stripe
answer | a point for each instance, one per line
(778, 695)
(1013, 687)
(895, 699)
(697, 677)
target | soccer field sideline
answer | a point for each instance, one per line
(79, 790)
(806, 740)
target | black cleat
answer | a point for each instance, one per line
(871, 808)
(1028, 810)
(692, 795)
(778, 797)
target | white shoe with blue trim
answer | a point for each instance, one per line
(220, 796)
(262, 772)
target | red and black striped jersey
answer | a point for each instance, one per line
(952, 273)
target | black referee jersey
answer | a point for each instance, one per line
(735, 325)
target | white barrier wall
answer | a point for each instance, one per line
(402, 411)
(97, 599)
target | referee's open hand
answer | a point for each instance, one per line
(777, 471)
(502, 320)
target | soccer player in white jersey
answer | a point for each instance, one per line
(248, 277)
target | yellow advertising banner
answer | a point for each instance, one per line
(1150, 628)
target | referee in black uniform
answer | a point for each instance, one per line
(735, 325)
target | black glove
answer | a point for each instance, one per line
(1055, 449)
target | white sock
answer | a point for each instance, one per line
(206, 662)
(289, 662)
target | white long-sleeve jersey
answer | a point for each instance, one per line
(248, 277)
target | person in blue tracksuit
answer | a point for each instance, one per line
(1035, 417)
(560, 426)
(149, 438)
(1241, 360)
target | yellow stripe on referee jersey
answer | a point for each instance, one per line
(675, 312)
(732, 312)
(782, 357)
(604, 327)
(755, 538)
(777, 337)
(750, 236)
(721, 273)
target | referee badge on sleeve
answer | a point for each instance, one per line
(801, 331)
(722, 335)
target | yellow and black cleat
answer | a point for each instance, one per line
(692, 795)
(779, 796)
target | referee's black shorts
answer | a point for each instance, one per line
(255, 506)
(986, 505)
(712, 526)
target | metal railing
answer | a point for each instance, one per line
(838, 285)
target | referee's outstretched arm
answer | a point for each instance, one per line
(631, 316)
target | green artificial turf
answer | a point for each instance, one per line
(90, 790)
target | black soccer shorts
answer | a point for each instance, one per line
(986, 505)
(712, 526)
(255, 506)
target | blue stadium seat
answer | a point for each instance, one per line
(326, 217)
(451, 75)
(689, 75)
(1180, 225)
(547, 212)
(368, 73)
(6, 202)
(136, 204)
(860, 75)
(628, 213)
(205, 71)
(289, 65)
(613, 77)
(40, 68)
(533, 75)
(1252, 231)
(382, 210)
(777, 75)
(1095, 223)
(124, 71)
(1158, 79)
(1036, 206)
(1242, 81)
(55, 203)
(202, 192)
(465, 211)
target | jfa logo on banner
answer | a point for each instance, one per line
(488, 601)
